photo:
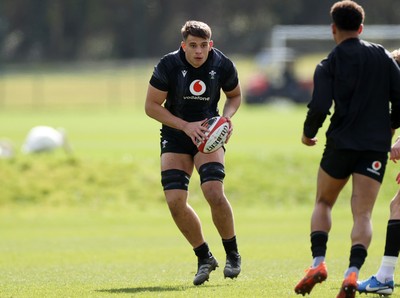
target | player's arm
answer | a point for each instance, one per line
(233, 101)
(395, 150)
(395, 91)
(154, 108)
(318, 108)
(395, 155)
(232, 104)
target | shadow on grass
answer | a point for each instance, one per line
(141, 289)
(145, 289)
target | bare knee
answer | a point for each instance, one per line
(324, 203)
(176, 201)
(211, 177)
(175, 183)
(213, 192)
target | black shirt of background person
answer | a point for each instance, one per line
(356, 75)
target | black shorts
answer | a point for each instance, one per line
(177, 142)
(341, 163)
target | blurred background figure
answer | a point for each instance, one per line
(6, 149)
(284, 86)
(46, 139)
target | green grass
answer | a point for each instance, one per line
(125, 252)
(116, 154)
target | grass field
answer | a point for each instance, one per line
(125, 252)
(94, 224)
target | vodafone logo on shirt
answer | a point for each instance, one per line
(197, 87)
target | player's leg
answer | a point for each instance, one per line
(328, 189)
(383, 281)
(365, 192)
(175, 171)
(212, 172)
(392, 244)
(368, 172)
(395, 206)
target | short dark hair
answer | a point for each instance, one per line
(196, 28)
(347, 15)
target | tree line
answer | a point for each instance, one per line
(64, 30)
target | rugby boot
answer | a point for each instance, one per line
(349, 286)
(372, 285)
(233, 265)
(313, 276)
(204, 268)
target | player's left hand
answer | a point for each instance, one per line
(395, 151)
(309, 141)
(230, 129)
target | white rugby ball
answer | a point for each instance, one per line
(217, 133)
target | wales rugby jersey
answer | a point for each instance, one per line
(193, 93)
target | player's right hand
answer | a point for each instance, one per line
(195, 131)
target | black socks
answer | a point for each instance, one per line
(392, 246)
(358, 254)
(318, 243)
(230, 245)
(203, 252)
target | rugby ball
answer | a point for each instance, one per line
(216, 134)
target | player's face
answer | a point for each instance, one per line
(196, 50)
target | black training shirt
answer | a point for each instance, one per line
(362, 80)
(193, 93)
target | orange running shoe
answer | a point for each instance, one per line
(349, 286)
(313, 276)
